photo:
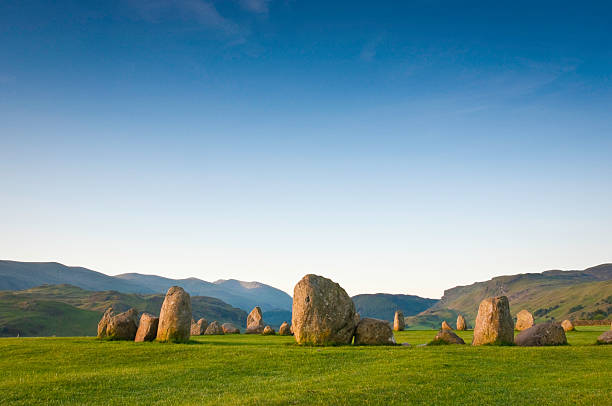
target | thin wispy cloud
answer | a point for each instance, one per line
(256, 6)
(368, 52)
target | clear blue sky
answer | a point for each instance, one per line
(394, 148)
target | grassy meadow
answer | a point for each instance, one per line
(246, 369)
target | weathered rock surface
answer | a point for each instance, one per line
(285, 329)
(446, 336)
(147, 328)
(123, 326)
(175, 316)
(198, 328)
(374, 332)
(524, 320)
(399, 323)
(323, 313)
(494, 323)
(461, 323)
(605, 338)
(445, 326)
(103, 323)
(214, 328)
(255, 323)
(541, 335)
(229, 328)
(268, 331)
(567, 325)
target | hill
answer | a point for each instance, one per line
(550, 295)
(66, 310)
(383, 305)
(16, 275)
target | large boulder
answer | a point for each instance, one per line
(198, 328)
(605, 338)
(255, 323)
(494, 323)
(103, 323)
(445, 326)
(541, 335)
(123, 326)
(461, 323)
(373, 332)
(567, 325)
(229, 328)
(147, 328)
(214, 328)
(175, 316)
(446, 336)
(285, 329)
(323, 313)
(524, 320)
(399, 323)
(268, 331)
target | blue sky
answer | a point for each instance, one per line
(394, 148)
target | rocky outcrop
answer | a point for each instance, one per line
(524, 320)
(540, 335)
(214, 328)
(198, 328)
(445, 326)
(446, 336)
(567, 325)
(229, 328)
(605, 338)
(268, 331)
(323, 313)
(147, 328)
(175, 316)
(285, 329)
(103, 323)
(255, 323)
(494, 323)
(123, 326)
(461, 323)
(373, 332)
(399, 323)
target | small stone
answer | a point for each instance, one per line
(123, 326)
(373, 332)
(399, 323)
(605, 338)
(445, 326)
(524, 320)
(229, 328)
(103, 324)
(446, 336)
(540, 335)
(147, 328)
(461, 323)
(567, 325)
(268, 331)
(255, 323)
(285, 329)
(197, 329)
(214, 328)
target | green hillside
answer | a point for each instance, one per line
(551, 295)
(66, 310)
(383, 305)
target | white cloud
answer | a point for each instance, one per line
(256, 6)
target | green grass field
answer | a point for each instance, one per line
(241, 369)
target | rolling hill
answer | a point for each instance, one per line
(383, 305)
(550, 295)
(66, 310)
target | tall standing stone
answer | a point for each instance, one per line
(567, 325)
(445, 326)
(255, 323)
(198, 328)
(103, 323)
(323, 313)
(147, 328)
(461, 323)
(524, 320)
(285, 329)
(175, 316)
(399, 323)
(494, 323)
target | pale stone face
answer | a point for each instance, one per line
(524, 320)
(147, 328)
(214, 328)
(567, 325)
(255, 323)
(494, 323)
(198, 328)
(123, 326)
(445, 326)
(175, 316)
(373, 332)
(285, 329)
(103, 324)
(399, 323)
(461, 323)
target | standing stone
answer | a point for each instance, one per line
(284, 329)
(229, 328)
(175, 316)
(446, 336)
(445, 326)
(197, 329)
(255, 323)
(524, 320)
(567, 325)
(103, 324)
(322, 312)
(399, 323)
(373, 332)
(494, 323)
(147, 328)
(214, 328)
(268, 331)
(461, 326)
(605, 338)
(123, 326)
(541, 335)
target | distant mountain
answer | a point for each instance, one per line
(550, 295)
(66, 310)
(383, 305)
(245, 295)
